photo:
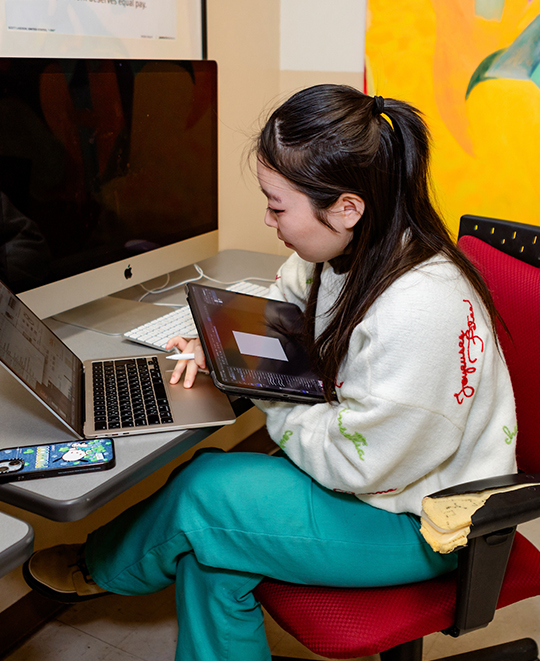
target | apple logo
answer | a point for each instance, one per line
(128, 272)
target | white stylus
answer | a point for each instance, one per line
(181, 356)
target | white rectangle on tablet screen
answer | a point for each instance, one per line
(261, 346)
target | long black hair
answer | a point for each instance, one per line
(331, 139)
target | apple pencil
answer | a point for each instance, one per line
(181, 356)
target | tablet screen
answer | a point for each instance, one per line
(254, 344)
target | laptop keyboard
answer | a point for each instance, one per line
(129, 393)
(179, 322)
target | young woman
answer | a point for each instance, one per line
(401, 329)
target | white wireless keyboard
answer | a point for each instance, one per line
(156, 333)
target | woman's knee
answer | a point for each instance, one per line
(199, 453)
(204, 480)
(202, 470)
(214, 479)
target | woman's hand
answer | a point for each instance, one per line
(191, 367)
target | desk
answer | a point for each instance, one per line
(16, 543)
(25, 421)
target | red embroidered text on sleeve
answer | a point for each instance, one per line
(469, 343)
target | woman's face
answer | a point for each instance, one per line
(291, 214)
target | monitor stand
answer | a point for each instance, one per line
(111, 315)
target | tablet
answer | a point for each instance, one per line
(253, 345)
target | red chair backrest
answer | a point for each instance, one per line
(515, 287)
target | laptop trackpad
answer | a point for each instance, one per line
(199, 405)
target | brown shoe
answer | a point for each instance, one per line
(60, 573)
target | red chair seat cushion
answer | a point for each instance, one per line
(343, 623)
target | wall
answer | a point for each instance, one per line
(257, 69)
(266, 50)
(243, 37)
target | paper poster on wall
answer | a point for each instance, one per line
(135, 19)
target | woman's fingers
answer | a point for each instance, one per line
(190, 367)
(179, 342)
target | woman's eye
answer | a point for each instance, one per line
(275, 211)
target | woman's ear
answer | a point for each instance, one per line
(348, 210)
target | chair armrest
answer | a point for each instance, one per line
(498, 482)
(506, 510)
(482, 563)
(517, 503)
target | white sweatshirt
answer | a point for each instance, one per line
(425, 399)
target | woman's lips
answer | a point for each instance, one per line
(288, 245)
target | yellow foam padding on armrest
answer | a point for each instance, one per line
(444, 542)
(446, 521)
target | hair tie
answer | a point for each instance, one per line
(378, 105)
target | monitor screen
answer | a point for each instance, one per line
(103, 162)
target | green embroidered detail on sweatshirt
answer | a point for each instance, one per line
(510, 435)
(309, 281)
(285, 438)
(357, 438)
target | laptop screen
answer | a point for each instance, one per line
(38, 358)
(253, 343)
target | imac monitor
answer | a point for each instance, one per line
(108, 174)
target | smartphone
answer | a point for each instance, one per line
(33, 461)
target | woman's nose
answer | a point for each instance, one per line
(270, 220)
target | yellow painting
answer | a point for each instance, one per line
(473, 68)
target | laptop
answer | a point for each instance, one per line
(96, 398)
(253, 345)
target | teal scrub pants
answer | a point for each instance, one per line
(225, 521)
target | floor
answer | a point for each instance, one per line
(117, 628)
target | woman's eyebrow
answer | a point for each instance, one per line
(270, 196)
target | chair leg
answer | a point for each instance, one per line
(411, 651)
(525, 649)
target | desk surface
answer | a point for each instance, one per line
(16, 543)
(26, 422)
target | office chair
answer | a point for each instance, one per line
(498, 566)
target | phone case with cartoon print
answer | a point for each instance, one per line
(49, 460)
